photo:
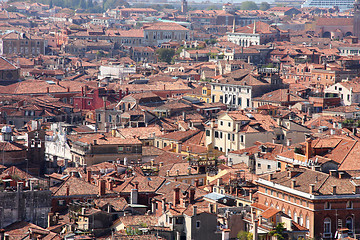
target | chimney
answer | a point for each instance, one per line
(67, 190)
(134, 196)
(176, 196)
(50, 219)
(120, 94)
(308, 150)
(288, 142)
(194, 211)
(270, 177)
(177, 172)
(163, 205)
(88, 176)
(95, 142)
(101, 187)
(196, 181)
(192, 195)
(293, 183)
(288, 96)
(178, 147)
(189, 170)
(109, 185)
(219, 181)
(311, 188)
(47, 89)
(334, 190)
(2, 234)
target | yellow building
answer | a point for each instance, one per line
(204, 95)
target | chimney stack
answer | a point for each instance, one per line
(293, 184)
(67, 190)
(192, 195)
(334, 190)
(196, 181)
(101, 187)
(219, 181)
(194, 210)
(270, 177)
(2, 234)
(134, 196)
(311, 188)
(308, 150)
(176, 196)
(88, 176)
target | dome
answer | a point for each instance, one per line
(6, 129)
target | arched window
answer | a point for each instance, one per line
(327, 225)
(307, 222)
(289, 212)
(349, 223)
(296, 218)
(301, 222)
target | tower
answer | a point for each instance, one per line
(184, 6)
(356, 23)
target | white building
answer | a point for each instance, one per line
(56, 146)
(116, 71)
(257, 33)
(349, 92)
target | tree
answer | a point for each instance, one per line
(165, 54)
(242, 235)
(264, 6)
(249, 5)
(278, 231)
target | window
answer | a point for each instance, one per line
(349, 204)
(279, 164)
(349, 223)
(207, 132)
(221, 123)
(242, 138)
(259, 166)
(198, 224)
(289, 213)
(221, 134)
(327, 205)
(268, 167)
(229, 136)
(61, 202)
(301, 220)
(121, 149)
(307, 222)
(327, 225)
(216, 134)
(89, 103)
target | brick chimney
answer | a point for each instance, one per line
(311, 188)
(293, 183)
(67, 190)
(101, 187)
(270, 177)
(192, 195)
(308, 149)
(196, 181)
(109, 185)
(2, 234)
(176, 196)
(334, 190)
(88, 176)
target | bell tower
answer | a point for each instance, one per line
(356, 23)
(184, 6)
